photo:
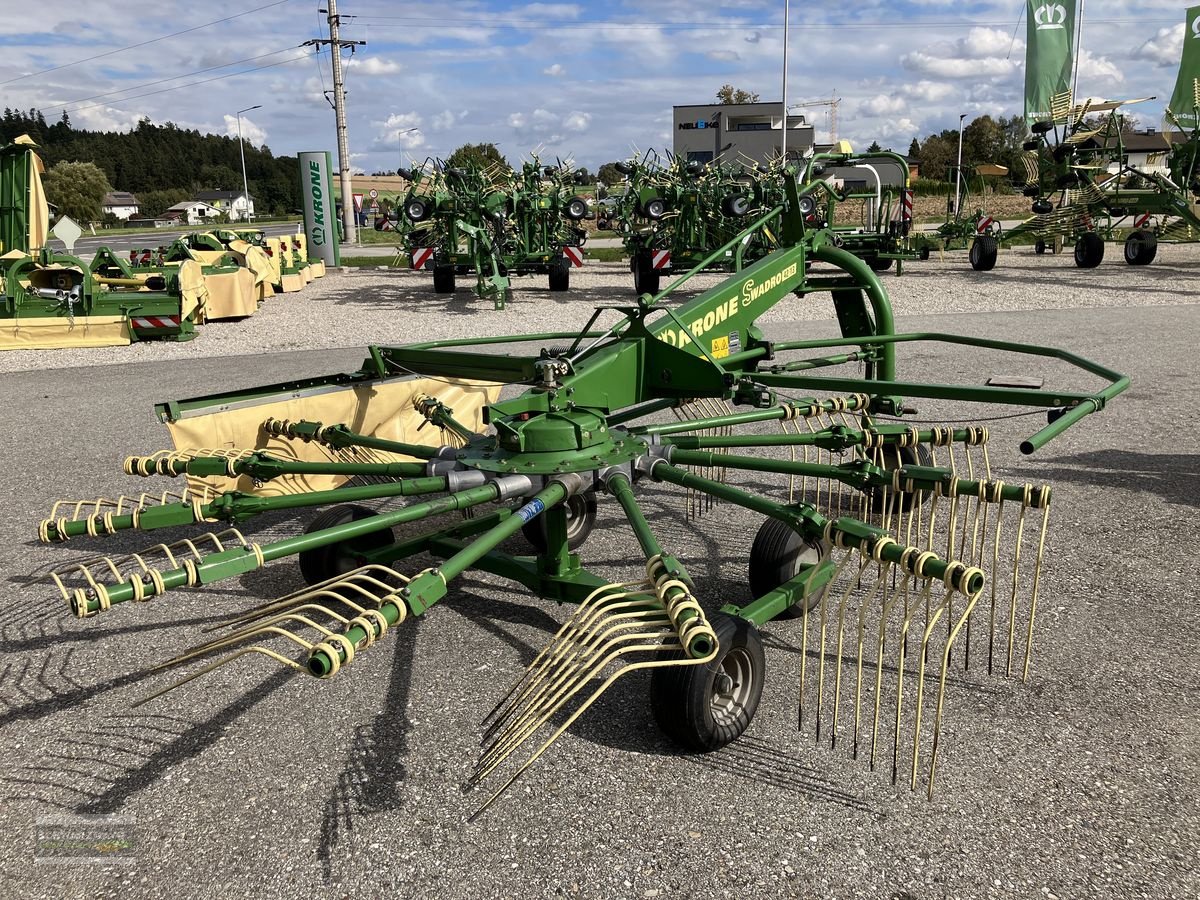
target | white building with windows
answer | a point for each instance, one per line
(192, 212)
(120, 204)
(238, 205)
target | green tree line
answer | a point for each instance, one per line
(162, 164)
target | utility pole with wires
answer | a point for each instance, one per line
(339, 110)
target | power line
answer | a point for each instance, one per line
(145, 43)
(592, 24)
(135, 87)
(177, 87)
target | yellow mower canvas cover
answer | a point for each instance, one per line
(24, 228)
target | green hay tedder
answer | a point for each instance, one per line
(884, 544)
(493, 223)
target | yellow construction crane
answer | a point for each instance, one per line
(831, 110)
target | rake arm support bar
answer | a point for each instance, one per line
(842, 532)
(339, 436)
(835, 439)
(234, 507)
(1077, 404)
(661, 566)
(430, 586)
(240, 560)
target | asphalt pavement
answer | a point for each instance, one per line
(1082, 783)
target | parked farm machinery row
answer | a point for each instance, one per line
(1085, 193)
(890, 549)
(492, 223)
(671, 214)
(52, 299)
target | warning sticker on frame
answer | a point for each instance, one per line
(735, 342)
(720, 347)
(529, 510)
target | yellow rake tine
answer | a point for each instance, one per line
(1033, 600)
(837, 682)
(556, 641)
(519, 729)
(648, 664)
(217, 645)
(216, 665)
(561, 664)
(972, 599)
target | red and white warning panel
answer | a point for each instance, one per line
(1141, 220)
(661, 259)
(421, 256)
(574, 254)
(906, 206)
(984, 224)
(148, 322)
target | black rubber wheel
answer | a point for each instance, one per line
(623, 167)
(984, 250)
(878, 264)
(654, 208)
(1039, 246)
(416, 210)
(1030, 146)
(443, 279)
(322, 563)
(1041, 127)
(576, 209)
(1140, 248)
(560, 276)
(1042, 207)
(923, 253)
(645, 276)
(1089, 250)
(897, 458)
(703, 708)
(581, 519)
(735, 206)
(779, 554)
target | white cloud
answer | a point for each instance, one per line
(554, 71)
(1099, 67)
(983, 53)
(443, 120)
(255, 134)
(1165, 48)
(400, 130)
(949, 67)
(373, 65)
(929, 91)
(884, 105)
(516, 120)
(723, 55)
(577, 121)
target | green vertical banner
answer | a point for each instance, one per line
(1049, 54)
(320, 210)
(1184, 100)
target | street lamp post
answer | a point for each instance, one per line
(242, 150)
(958, 168)
(400, 143)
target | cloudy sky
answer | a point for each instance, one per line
(585, 80)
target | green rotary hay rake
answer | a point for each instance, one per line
(891, 548)
(1085, 193)
(493, 223)
(672, 215)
